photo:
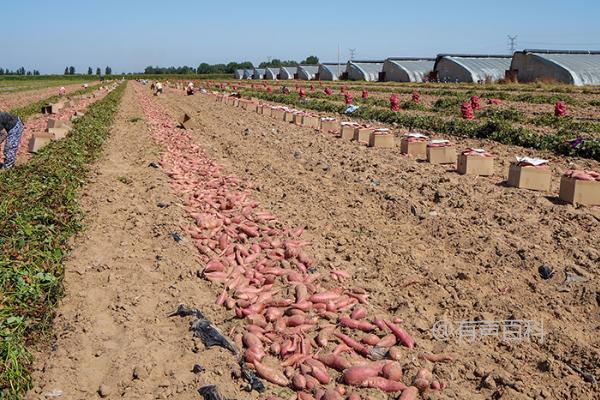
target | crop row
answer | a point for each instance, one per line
(493, 128)
(39, 212)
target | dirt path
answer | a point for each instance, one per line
(124, 275)
(446, 247)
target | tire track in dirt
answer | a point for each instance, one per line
(123, 276)
(472, 247)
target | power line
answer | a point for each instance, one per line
(512, 43)
(352, 53)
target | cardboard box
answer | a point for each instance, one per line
(348, 129)
(475, 165)
(441, 155)
(310, 121)
(298, 116)
(267, 111)
(381, 138)
(414, 149)
(39, 140)
(362, 134)
(581, 192)
(184, 121)
(330, 125)
(278, 114)
(56, 123)
(289, 116)
(58, 133)
(236, 102)
(529, 177)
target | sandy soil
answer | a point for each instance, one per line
(124, 275)
(12, 100)
(472, 245)
(427, 244)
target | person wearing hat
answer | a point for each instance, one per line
(190, 89)
(11, 130)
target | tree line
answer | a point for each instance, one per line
(72, 71)
(19, 71)
(205, 68)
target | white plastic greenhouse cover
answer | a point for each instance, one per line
(271, 72)
(310, 70)
(239, 73)
(259, 73)
(287, 72)
(584, 67)
(414, 68)
(481, 67)
(370, 69)
(248, 73)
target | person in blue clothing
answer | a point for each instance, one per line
(11, 130)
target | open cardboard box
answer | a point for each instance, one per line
(441, 154)
(362, 134)
(310, 121)
(529, 177)
(184, 121)
(348, 129)
(58, 133)
(577, 191)
(39, 140)
(381, 138)
(330, 125)
(475, 165)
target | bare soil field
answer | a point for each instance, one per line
(425, 243)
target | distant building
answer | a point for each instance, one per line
(271, 73)
(259, 73)
(331, 71)
(407, 69)
(287, 73)
(364, 70)
(307, 72)
(565, 66)
(471, 68)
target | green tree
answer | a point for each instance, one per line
(90, 72)
(310, 60)
(204, 68)
(71, 70)
(66, 70)
(98, 71)
(108, 71)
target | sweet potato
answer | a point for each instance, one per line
(332, 394)
(410, 393)
(387, 341)
(358, 347)
(436, 357)
(334, 361)
(392, 371)
(271, 374)
(356, 324)
(305, 396)
(401, 334)
(355, 375)
(383, 384)
(298, 381)
(370, 339)
(358, 313)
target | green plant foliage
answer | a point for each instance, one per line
(39, 212)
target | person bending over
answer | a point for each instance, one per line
(11, 130)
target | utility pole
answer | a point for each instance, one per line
(338, 60)
(352, 53)
(512, 43)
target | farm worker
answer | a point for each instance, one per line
(85, 85)
(285, 90)
(11, 130)
(190, 89)
(302, 93)
(328, 91)
(159, 87)
(62, 91)
(365, 94)
(416, 97)
(312, 88)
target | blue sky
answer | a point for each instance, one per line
(131, 34)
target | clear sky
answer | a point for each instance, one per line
(128, 35)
